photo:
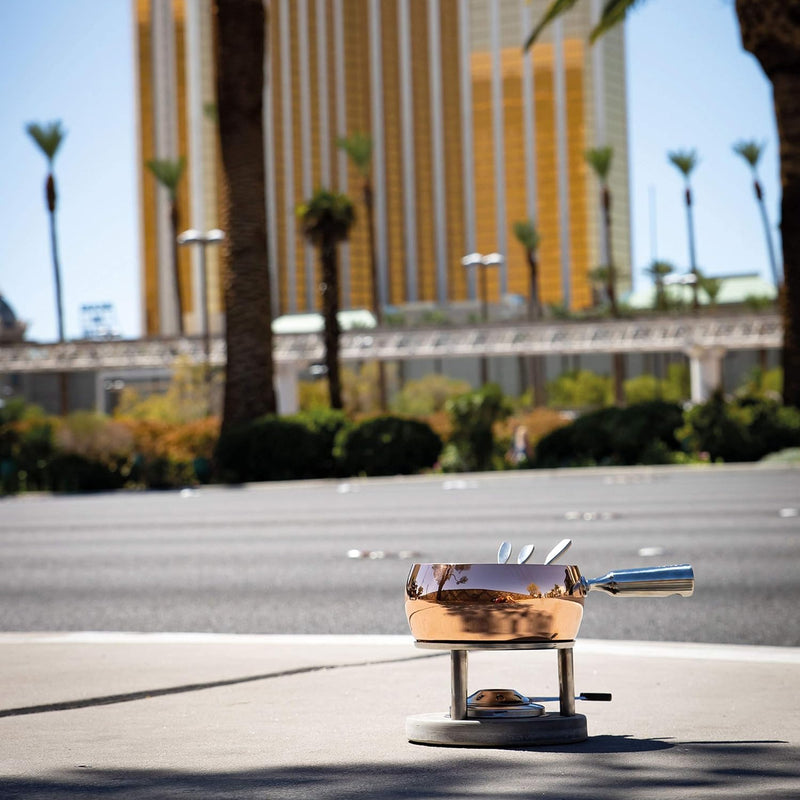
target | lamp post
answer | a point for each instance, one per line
(485, 261)
(202, 240)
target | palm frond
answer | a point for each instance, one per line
(614, 12)
(48, 136)
(684, 160)
(659, 269)
(555, 9)
(599, 159)
(526, 233)
(167, 172)
(358, 146)
(749, 151)
(327, 216)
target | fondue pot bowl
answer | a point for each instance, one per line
(462, 603)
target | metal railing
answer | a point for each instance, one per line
(678, 334)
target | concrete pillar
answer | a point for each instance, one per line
(705, 371)
(286, 388)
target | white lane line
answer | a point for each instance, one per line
(681, 650)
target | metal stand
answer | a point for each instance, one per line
(457, 729)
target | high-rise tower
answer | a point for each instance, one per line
(469, 135)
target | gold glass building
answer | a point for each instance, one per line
(469, 136)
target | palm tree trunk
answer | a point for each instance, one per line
(787, 108)
(534, 306)
(692, 259)
(241, 37)
(330, 310)
(611, 286)
(376, 295)
(174, 222)
(770, 31)
(767, 234)
(50, 193)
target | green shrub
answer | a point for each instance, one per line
(387, 445)
(325, 424)
(743, 429)
(580, 390)
(270, 448)
(639, 434)
(427, 395)
(473, 416)
(72, 472)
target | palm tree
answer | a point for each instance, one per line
(49, 137)
(529, 238)
(241, 37)
(326, 220)
(751, 153)
(168, 173)
(659, 270)
(358, 146)
(685, 161)
(770, 30)
(599, 159)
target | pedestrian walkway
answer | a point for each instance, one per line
(152, 716)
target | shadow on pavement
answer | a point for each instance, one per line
(604, 768)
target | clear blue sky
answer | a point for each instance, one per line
(690, 85)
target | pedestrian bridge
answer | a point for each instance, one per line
(658, 335)
(703, 338)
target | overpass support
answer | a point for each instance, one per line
(286, 387)
(705, 371)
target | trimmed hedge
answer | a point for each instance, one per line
(387, 445)
(640, 434)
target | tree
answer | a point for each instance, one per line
(659, 270)
(751, 153)
(599, 159)
(241, 37)
(685, 161)
(168, 173)
(770, 30)
(528, 236)
(326, 220)
(49, 137)
(358, 146)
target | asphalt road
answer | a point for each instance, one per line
(273, 558)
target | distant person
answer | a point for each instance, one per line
(520, 446)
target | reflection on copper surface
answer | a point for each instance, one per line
(493, 602)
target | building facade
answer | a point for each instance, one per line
(469, 136)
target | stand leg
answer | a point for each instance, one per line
(458, 684)
(566, 683)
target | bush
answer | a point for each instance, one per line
(270, 448)
(427, 395)
(473, 417)
(387, 445)
(580, 390)
(744, 429)
(325, 424)
(640, 434)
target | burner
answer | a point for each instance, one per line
(501, 703)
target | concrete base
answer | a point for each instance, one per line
(549, 728)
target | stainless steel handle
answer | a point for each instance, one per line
(645, 582)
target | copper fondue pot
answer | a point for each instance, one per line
(520, 602)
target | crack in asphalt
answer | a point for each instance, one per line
(128, 697)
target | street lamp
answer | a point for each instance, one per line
(489, 260)
(202, 240)
(485, 261)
